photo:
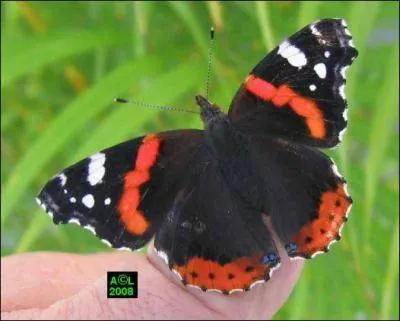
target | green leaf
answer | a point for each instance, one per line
(23, 56)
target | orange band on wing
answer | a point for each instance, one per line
(321, 232)
(132, 218)
(284, 95)
(239, 274)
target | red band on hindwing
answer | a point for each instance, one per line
(132, 218)
(239, 274)
(321, 232)
(284, 95)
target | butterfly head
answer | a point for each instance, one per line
(210, 113)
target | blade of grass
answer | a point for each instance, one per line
(33, 232)
(215, 8)
(186, 14)
(262, 12)
(392, 277)
(308, 12)
(140, 9)
(183, 10)
(25, 55)
(300, 298)
(74, 117)
(360, 29)
(383, 124)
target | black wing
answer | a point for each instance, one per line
(121, 193)
(210, 237)
(297, 91)
(304, 194)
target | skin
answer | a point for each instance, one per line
(54, 285)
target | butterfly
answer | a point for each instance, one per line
(202, 194)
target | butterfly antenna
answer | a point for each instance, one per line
(209, 61)
(125, 101)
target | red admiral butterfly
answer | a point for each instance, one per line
(202, 193)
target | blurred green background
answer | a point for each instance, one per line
(63, 63)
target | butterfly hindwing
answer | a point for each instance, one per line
(211, 238)
(305, 195)
(297, 91)
(120, 193)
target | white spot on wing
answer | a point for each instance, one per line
(347, 32)
(180, 278)
(335, 169)
(106, 242)
(42, 205)
(90, 228)
(88, 200)
(162, 255)
(107, 201)
(344, 23)
(320, 69)
(343, 71)
(272, 270)
(345, 189)
(256, 282)
(74, 221)
(124, 248)
(341, 92)
(327, 54)
(63, 179)
(340, 229)
(294, 55)
(72, 200)
(50, 214)
(345, 114)
(96, 169)
(315, 31)
(341, 134)
(297, 258)
(316, 253)
(313, 87)
(348, 210)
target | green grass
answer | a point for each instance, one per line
(63, 63)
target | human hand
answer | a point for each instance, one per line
(53, 285)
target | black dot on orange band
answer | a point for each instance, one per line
(211, 276)
(203, 288)
(322, 231)
(331, 217)
(337, 203)
(308, 239)
(194, 274)
(249, 268)
(230, 276)
(225, 292)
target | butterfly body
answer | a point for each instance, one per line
(204, 194)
